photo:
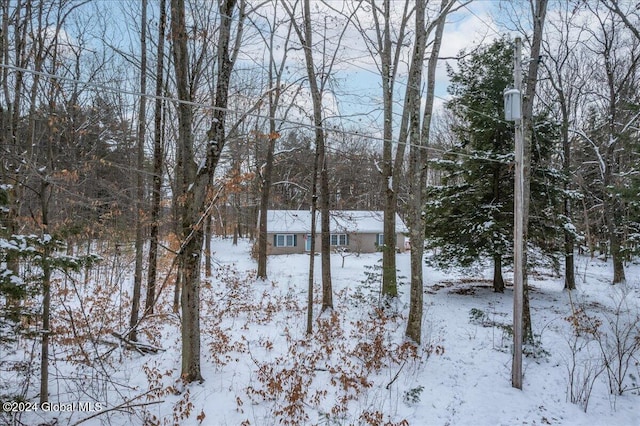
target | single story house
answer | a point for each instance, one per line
(359, 231)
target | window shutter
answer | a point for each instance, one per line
(275, 240)
(295, 240)
(346, 239)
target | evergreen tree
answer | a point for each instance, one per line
(631, 219)
(12, 288)
(630, 194)
(622, 190)
(470, 215)
(546, 219)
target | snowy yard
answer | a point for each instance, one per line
(261, 369)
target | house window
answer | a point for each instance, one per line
(284, 240)
(339, 240)
(380, 240)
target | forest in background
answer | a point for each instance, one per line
(151, 126)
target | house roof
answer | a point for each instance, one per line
(340, 221)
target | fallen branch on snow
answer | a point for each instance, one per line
(142, 348)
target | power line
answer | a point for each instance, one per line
(490, 27)
(218, 14)
(231, 110)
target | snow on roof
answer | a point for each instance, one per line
(340, 221)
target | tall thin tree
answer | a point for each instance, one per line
(538, 12)
(275, 73)
(387, 53)
(566, 84)
(317, 85)
(188, 269)
(158, 156)
(139, 199)
(196, 181)
(419, 128)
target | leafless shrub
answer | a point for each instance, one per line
(605, 342)
(584, 365)
(619, 342)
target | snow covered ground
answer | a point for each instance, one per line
(261, 369)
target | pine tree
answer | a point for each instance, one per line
(12, 288)
(470, 215)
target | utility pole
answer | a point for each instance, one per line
(518, 211)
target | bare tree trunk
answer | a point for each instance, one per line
(539, 10)
(189, 268)
(325, 235)
(325, 241)
(46, 330)
(381, 48)
(305, 35)
(158, 156)
(498, 280)
(236, 229)
(621, 111)
(275, 77)
(612, 214)
(616, 256)
(10, 115)
(569, 266)
(45, 191)
(312, 251)
(208, 237)
(414, 214)
(177, 290)
(139, 202)
(264, 206)
(197, 181)
(419, 139)
(45, 198)
(612, 205)
(191, 249)
(389, 278)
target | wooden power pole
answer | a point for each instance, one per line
(513, 112)
(518, 211)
